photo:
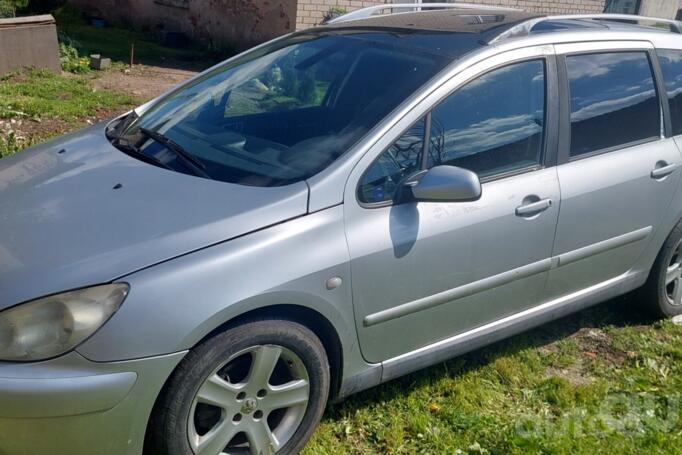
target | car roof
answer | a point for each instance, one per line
(451, 33)
(467, 29)
(482, 22)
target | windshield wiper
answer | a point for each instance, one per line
(197, 166)
(135, 152)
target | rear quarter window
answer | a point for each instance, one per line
(671, 66)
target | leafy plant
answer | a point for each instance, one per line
(69, 58)
(333, 13)
(10, 144)
(8, 8)
(5, 9)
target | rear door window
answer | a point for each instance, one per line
(671, 65)
(613, 101)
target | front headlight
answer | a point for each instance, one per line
(51, 326)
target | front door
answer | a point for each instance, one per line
(425, 271)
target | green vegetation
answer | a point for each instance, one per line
(606, 380)
(43, 94)
(69, 57)
(8, 8)
(11, 144)
(38, 104)
(115, 42)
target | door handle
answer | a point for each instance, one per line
(664, 170)
(533, 208)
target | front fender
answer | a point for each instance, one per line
(173, 305)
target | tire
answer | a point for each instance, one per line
(195, 415)
(658, 295)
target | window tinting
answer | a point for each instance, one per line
(671, 65)
(494, 124)
(613, 100)
(382, 179)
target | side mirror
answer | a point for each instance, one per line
(446, 184)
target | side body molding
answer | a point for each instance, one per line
(506, 277)
(509, 326)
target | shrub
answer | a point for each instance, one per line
(10, 143)
(8, 8)
(69, 58)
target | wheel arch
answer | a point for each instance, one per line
(309, 318)
(316, 322)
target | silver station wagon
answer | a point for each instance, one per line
(326, 212)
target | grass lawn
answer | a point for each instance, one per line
(36, 105)
(44, 94)
(605, 380)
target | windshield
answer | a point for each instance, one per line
(282, 113)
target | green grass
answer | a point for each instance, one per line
(44, 94)
(11, 144)
(43, 104)
(594, 382)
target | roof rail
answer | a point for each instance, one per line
(675, 26)
(525, 28)
(370, 11)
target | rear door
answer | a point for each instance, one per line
(617, 170)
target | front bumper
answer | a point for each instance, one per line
(73, 406)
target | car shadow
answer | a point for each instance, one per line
(403, 228)
(619, 312)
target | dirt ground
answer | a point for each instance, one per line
(143, 81)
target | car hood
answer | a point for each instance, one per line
(76, 212)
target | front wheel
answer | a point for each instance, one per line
(258, 388)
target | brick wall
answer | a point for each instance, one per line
(551, 6)
(312, 12)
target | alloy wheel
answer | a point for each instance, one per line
(673, 277)
(252, 404)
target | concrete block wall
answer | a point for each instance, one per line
(28, 41)
(312, 12)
